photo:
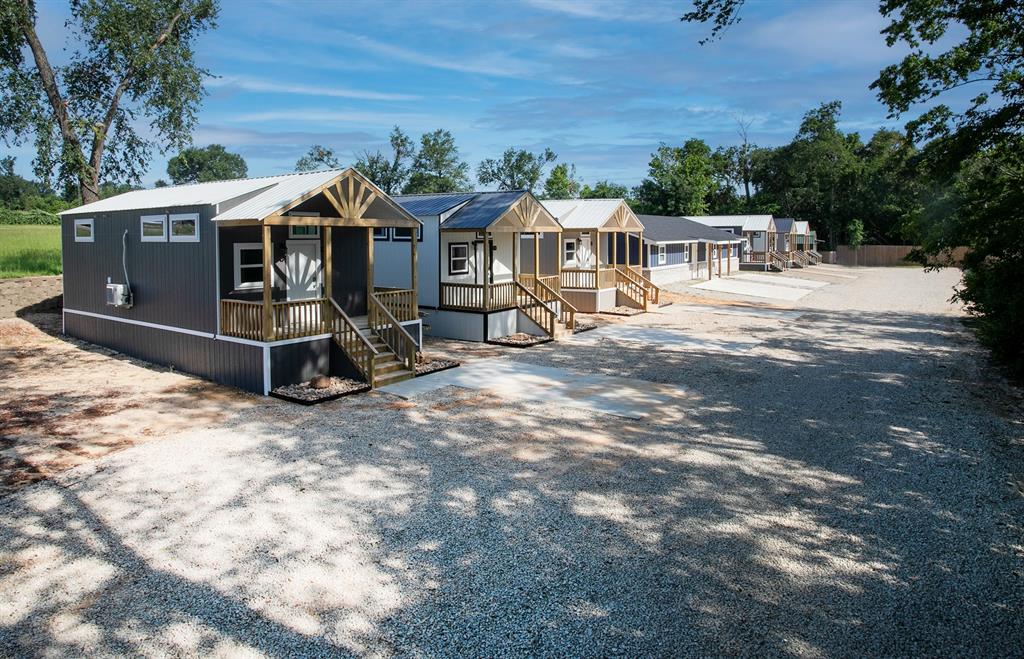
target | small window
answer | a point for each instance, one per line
(84, 231)
(303, 231)
(662, 256)
(686, 253)
(380, 233)
(248, 266)
(154, 228)
(570, 250)
(185, 228)
(458, 258)
(402, 235)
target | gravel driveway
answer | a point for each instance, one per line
(847, 487)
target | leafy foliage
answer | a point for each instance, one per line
(517, 169)
(604, 190)
(318, 157)
(562, 182)
(23, 217)
(437, 166)
(129, 63)
(389, 172)
(209, 163)
(679, 181)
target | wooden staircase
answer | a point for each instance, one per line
(538, 309)
(777, 261)
(813, 257)
(637, 288)
(380, 348)
(800, 259)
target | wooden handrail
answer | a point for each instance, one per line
(547, 318)
(391, 332)
(653, 292)
(353, 343)
(631, 288)
(567, 312)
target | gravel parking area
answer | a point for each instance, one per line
(849, 486)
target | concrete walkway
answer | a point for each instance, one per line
(660, 339)
(782, 280)
(753, 289)
(623, 397)
(728, 310)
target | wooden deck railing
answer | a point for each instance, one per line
(631, 288)
(588, 278)
(353, 343)
(400, 302)
(291, 319)
(535, 309)
(551, 281)
(651, 289)
(778, 260)
(471, 296)
(385, 325)
(754, 257)
(566, 312)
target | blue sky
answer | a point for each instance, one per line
(600, 82)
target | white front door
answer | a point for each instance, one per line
(304, 275)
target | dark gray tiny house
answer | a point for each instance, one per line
(680, 249)
(175, 276)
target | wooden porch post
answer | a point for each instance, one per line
(515, 256)
(719, 250)
(597, 251)
(369, 264)
(414, 274)
(728, 262)
(328, 261)
(268, 274)
(559, 254)
(536, 253)
(487, 270)
(707, 257)
(615, 249)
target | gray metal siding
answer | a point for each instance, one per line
(173, 283)
(235, 364)
(349, 281)
(298, 362)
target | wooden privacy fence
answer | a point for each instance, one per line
(881, 255)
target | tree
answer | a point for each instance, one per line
(679, 181)
(562, 183)
(210, 163)
(318, 157)
(437, 167)
(128, 61)
(389, 173)
(517, 169)
(604, 190)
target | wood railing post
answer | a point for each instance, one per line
(268, 276)
(487, 271)
(415, 306)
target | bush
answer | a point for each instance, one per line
(992, 292)
(8, 216)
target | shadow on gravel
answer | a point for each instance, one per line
(826, 500)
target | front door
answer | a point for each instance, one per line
(304, 276)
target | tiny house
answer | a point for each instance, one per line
(760, 235)
(680, 249)
(599, 255)
(254, 283)
(488, 268)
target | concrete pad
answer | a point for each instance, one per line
(752, 289)
(660, 339)
(623, 397)
(727, 310)
(830, 272)
(782, 280)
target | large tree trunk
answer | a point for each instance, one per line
(89, 187)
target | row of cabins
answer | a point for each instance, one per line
(264, 282)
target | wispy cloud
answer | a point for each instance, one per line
(248, 84)
(612, 10)
(329, 116)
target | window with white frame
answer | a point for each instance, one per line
(402, 235)
(662, 254)
(248, 266)
(458, 258)
(184, 228)
(153, 228)
(686, 253)
(84, 231)
(380, 233)
(301, 231)
(569, 250)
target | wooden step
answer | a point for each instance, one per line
(393, 377)
(383, 368)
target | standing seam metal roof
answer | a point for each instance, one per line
(748, 222)
(582, 213)
(432, 204)
(784, 224)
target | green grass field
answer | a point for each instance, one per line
(29, 250)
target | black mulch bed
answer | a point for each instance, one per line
(520, 340)
(303, 394)
(435, 365)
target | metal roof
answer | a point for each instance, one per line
(801, 226)
(665, 229)
(288, 189)
(582, 213)
(197, 194)
(784, 224)
(483, 209)
(748, 222)
(433, 204)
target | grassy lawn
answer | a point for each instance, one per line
(27, 250)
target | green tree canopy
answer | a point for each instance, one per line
(128, 63)
(389, 171)
(679, 181)
(437, 166)
(604, 190)
(517, 169)
(562, 183)
(318, 157)
(210, 163)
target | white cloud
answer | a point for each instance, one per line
(275, 86)
(613, 10)
(330, 116)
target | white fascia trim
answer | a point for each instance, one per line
(272, 344)
(266, 369)
(142, 323)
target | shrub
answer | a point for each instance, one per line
(8, 216)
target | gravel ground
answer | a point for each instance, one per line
(848, 487)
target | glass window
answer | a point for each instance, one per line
(570, 250)
(303, 231)
(403, 234)
(84, 231)
(662, 256)
(686, 253)
(248, 266)
(153, 228)
(458, 259)
(380, 233)
(185, 228)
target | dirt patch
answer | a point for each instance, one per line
(31, 295)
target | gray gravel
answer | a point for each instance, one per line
(843, 489)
